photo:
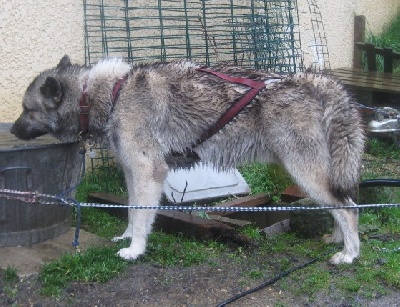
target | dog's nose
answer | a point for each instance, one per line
(13, 130)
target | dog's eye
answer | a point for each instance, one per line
(28, 110)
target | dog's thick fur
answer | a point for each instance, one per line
(308, 123)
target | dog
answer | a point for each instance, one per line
(149, 111)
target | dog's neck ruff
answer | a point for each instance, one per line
(84, 107)
(236, 108)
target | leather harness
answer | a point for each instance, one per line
(236, 108)
(233, 110)
(84, 106)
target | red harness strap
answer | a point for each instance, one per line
(84, 107)
(236, 108)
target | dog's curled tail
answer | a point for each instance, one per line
(345, 136)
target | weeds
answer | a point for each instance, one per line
(383, 149)
(171, 250)
(271, 179)
(251, 232)
(10, 275)
(101, 223)
(11, 279)
(108, 179)
(97, 264)
(390, 37)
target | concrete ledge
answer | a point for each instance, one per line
(28, 259)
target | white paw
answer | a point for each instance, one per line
(130, 254)
(342, 257)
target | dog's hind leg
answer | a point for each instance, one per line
(312, 175)
(336, 236)
(347, 220)
(145, 176)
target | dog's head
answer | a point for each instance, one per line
(40, 105)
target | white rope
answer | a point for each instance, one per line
(46, 199)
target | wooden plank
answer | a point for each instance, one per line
(362, 72)
(369, 79)
(379, 50)
(260, 219)
(104, 198)
(370, 83)
(247, 201)
(179, 222)
(371, 86)
(359, 78)
(176, 222)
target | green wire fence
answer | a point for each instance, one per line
(261, 34)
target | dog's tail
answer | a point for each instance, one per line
(345, 136)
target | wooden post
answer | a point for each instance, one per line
(371, 57)
(388, 60)
(359, 36)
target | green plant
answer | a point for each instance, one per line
(268, 178)
(109, 179)
(252, 232)
(10, 286)
(10, 275)
(101, 223)
(97, 264)
(382, 148)
(172, 250)
(390, 37)
(256, 274)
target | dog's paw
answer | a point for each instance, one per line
(341, 257)
(129, 253)
(330, 238)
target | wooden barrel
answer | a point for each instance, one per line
(43, 166)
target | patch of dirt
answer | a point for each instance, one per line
(203, 285)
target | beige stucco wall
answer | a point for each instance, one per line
(34, 35)
(338, 18)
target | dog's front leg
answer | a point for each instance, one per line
(129, 184)
(146, 178)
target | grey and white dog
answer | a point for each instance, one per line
(308, 123)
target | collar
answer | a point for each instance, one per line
(84, 107)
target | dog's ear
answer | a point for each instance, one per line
(64, 62)
(52, 90)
